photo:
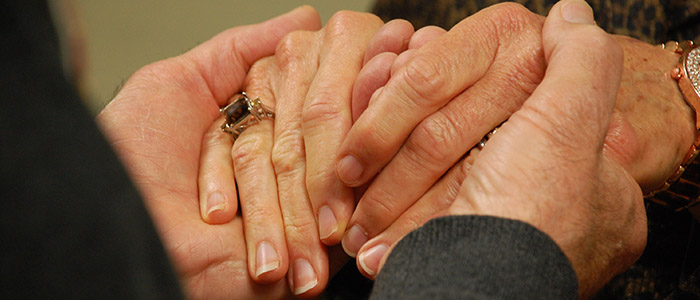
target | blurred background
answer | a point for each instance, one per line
(118, 37)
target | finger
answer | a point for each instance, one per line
(297, 58)
(434, 75)
(434, 203)
(425, 35)
(377, 70)
(590, 107)
(374, 74)
(263, 223)
(218, 200)
(401, 60)
(420, 38)
(442, 138)
(393, 37)
(545, 135)
(238, 48)
(327, 117)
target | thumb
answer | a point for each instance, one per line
(582, 77)
(224, 60)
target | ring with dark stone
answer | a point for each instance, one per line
(243, 112)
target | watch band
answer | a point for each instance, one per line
(682, 190)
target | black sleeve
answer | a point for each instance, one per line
(72, 226)
(476, 257)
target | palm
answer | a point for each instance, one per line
(158, 132)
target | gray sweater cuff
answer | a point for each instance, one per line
(476, 257)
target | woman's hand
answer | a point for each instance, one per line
(156, 124)
(285, 171)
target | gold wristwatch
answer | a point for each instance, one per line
(682, 190)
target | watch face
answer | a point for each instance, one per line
(237, 110)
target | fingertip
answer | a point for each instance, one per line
(350, 170)
(269, 265)
(394, 36)
(217, 208)
(577, 12)
(425, 35)
(369, 261)
(306, 16)
(374, 74)
(327, 224)
(401, 60)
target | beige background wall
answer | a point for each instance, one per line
(121, 36)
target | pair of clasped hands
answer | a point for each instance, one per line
(372, 136)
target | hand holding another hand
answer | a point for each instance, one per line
(156, 124)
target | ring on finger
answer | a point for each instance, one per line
(242, 113)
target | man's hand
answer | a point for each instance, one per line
(415, 130)
(541, 168)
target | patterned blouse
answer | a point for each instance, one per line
(668, 269)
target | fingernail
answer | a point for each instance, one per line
(369, 260)
(327, 223)
(303, 277)
(349, 169)
(266, 259)
(216, 202)
(578, 12)
(353, 240)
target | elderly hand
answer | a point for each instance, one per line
(291, 200)
(428, 131)
(156, 124)
(541, 168)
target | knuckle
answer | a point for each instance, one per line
(259, 73)
(512, 18)
(298, 229)
(423, 80)
(344, 20)
(287, 154)
(293, 48)
(380, 207)
(321, 107)
(247, 152)
(214, 138)
(258, 215)
(432, 139)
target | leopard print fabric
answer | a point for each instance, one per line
(652, 21)
(668, 269)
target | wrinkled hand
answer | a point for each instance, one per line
(542, 169)
(651, 127)
(156, 124)
(291, 201)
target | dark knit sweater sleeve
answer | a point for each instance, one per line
(476, 257)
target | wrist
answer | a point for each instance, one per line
(662, 124)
